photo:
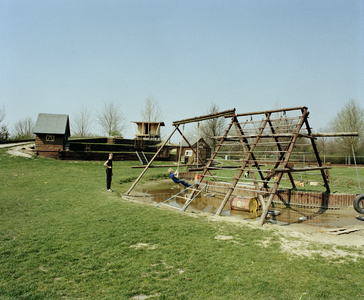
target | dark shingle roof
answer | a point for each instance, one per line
(52, 124)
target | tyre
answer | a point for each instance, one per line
(359, 204)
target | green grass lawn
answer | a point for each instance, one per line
(63, 236)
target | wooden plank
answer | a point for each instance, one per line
(336, 229)
(345, 231)
(335, 134)
(359, 218)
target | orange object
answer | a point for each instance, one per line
(244, 203)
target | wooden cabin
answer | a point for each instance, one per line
(188, 156)
(51, 134)
(148, 130)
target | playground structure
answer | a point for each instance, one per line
(260, 147)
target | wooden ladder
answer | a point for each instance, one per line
(142, 158)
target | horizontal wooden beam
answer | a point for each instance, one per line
(271, 111)
(226, 114)
(164, 166)
(213, 168)
(276, 135)
(335, 134)
(289, 170)
(273, 171)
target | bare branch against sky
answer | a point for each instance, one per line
(82, 122)
(111, 119)
(151, 112)
(23, 129)
(349, 119)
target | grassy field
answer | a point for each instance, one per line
(63, 236)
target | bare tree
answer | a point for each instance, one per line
(4, 131)
(349, 119)
(23, 129)
(151, 112)
(111, 119)
(82, 122)
(2, 114)
(211, 127)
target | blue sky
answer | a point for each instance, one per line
(59, 56)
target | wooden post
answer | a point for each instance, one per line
(317, 157)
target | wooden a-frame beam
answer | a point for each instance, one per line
(236, 180)
(225, 114)
(208, 164)
(197, 156)
(284, 165)
(150, 162)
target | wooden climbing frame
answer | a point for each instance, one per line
(268, 141)
(266, 145)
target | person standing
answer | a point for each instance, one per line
(174, 177)
(109, 173)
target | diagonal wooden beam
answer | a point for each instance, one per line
(284, 165)
(197, 156)
(153, 158)
(279, 149)
(319, 163)
(248, 156)
(209, 163)
(246, 148)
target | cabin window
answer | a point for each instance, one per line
(50, 138)
(188, 153)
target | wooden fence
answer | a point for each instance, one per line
(287, 197)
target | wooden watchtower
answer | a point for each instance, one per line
(148, 130)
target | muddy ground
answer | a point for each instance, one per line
(302, 232)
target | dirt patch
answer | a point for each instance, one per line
(25, 150)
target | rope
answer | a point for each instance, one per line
(198, 136)
(180, 148)
(356, 168)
